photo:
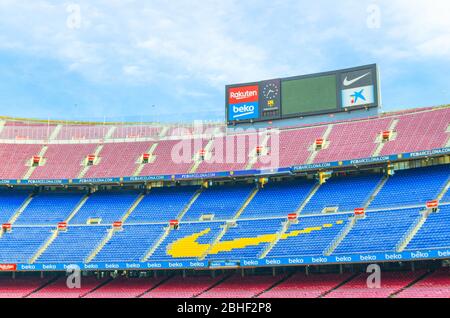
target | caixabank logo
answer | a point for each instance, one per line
(243, 102)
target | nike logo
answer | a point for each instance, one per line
(348, 83)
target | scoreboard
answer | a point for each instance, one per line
(300, 96)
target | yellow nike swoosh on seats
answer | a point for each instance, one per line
(188, 247)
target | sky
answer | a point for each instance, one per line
(162, 60)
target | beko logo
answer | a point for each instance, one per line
(243, 110)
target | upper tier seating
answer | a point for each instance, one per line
(49, 208)
(346, 193)
(108, 206)
(118, 159)
(416, 130)
(82, 132)
(63, 161)
(26, 131)
(162, 204)
(278, 199)
(421, 131)
(353, 140)
(222, 201)
(412, 187)
(173, 157)
(14, 159)
(378, 232)
(10, 201)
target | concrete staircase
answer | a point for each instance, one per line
(141, 166)
(164, 131)
(417, 225)
(155, 246)
(216, 240)
(133, 207)
(98, 248)
(308, 198)
(55, 132)
(376, 191)
(110, 132)
(197, 159)
(21, 209)
(32, 168)
(44, 247)
(188, 206)
(86, 168)
(340, 237)
(315, 152)
(381, 144)
(253, 156)
(77, 208)
(246, 203)
(284, 229)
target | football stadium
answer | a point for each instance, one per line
(306, 188)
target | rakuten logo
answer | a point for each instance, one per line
(243, 94)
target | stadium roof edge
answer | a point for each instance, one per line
(77, 122)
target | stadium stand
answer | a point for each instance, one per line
(221, 201)
(398, 190)
(10, 201)
(130, 244)
(420, 131)
(15, 158)
(74, 245)
(248, 239)
(190, 241)
(310, 236)
(232, 287)
(63, 161)
(20, 287)
(299, 285)
(370, 235)
(58, 288)
(434, 232)
(390, 283)
(227, 220)
(183, 287)
(108, 206)
(49, 208)
(346, 193)
(266, 202)
(353, 140)
(162, 204)
(118, 159)
(124, 287)
(19, 245)
(434, 285)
